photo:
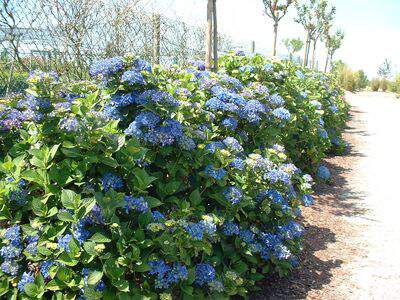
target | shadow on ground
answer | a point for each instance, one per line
(333, 200)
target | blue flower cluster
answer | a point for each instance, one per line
(167, 274)
(11, 252)
(137, 203)
(111, 181)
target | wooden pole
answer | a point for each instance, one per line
(215, 38)
(209, 34)
(156, 38)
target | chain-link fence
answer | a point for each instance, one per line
(67, 35)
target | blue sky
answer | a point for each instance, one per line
(372, 27)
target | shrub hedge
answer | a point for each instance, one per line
(161, 182)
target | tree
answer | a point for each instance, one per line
(361, 80)
(276, 10)
(315, 17)
(293, 46)
(385, 70)
(325, 18)
(211, 35)
(332, 43)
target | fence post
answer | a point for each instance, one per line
(215, 39)
(156, 24)
(253, 47)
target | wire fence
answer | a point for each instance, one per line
(68, 35)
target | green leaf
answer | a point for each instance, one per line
(113, 270)
(195, 197)
(142, 179)
(38, 207)
(122, 285)
(65, 216)
(94, 277)
(153, 202)
(31, 289)
(100, 238)
(70, 199)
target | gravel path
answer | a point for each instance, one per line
(377, 274)
(352, 233)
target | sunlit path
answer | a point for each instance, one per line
(378, 273)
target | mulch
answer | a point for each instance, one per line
(329, 239)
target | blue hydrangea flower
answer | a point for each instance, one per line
(322, 133)
(11, 251)
(205, 273)
(195, 230)
(142, 65)
(276, 100)
(139, 204)
(217, 174)
(247, 236)
(334, 108)
(281, 113)
(111, 181)
(70, 124)
(107, 67)
(300, 74)
(112, 112)
(27, 277)
(13, 234)
(277, 175)
(10, 267)
(157, 97)
(237, 163)
(233, 194)
(230, 123)
(80, 232)
(63, 242)
(124, 100)
(281, 252)
(200, 65)
(31, 248)
(208, 226)
(323, 173)
(268, 68)
(213, 146)
(44, 268)
(217, 286)
(316, 104)
(167, 275)
(233, 144)
(186, 143)
(230, 228)
(157, 216)
(133, 77)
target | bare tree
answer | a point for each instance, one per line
(209, 33)
(276, 10)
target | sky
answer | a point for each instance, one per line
(372, 28)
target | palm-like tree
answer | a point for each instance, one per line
(332, 43)
(276, 10)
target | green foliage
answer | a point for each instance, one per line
(385, 70)
(361, 80)
(345, 76)
(109, 204)
(384, 85)
(293, 46)
(375, 84)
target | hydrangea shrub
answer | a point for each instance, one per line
(160, 183)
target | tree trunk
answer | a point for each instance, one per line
(253, 47)
(305, 62)
(156, 39)
(209, 35)
(215, 38)
(275, 38)
(313, 53)
(326, 62)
